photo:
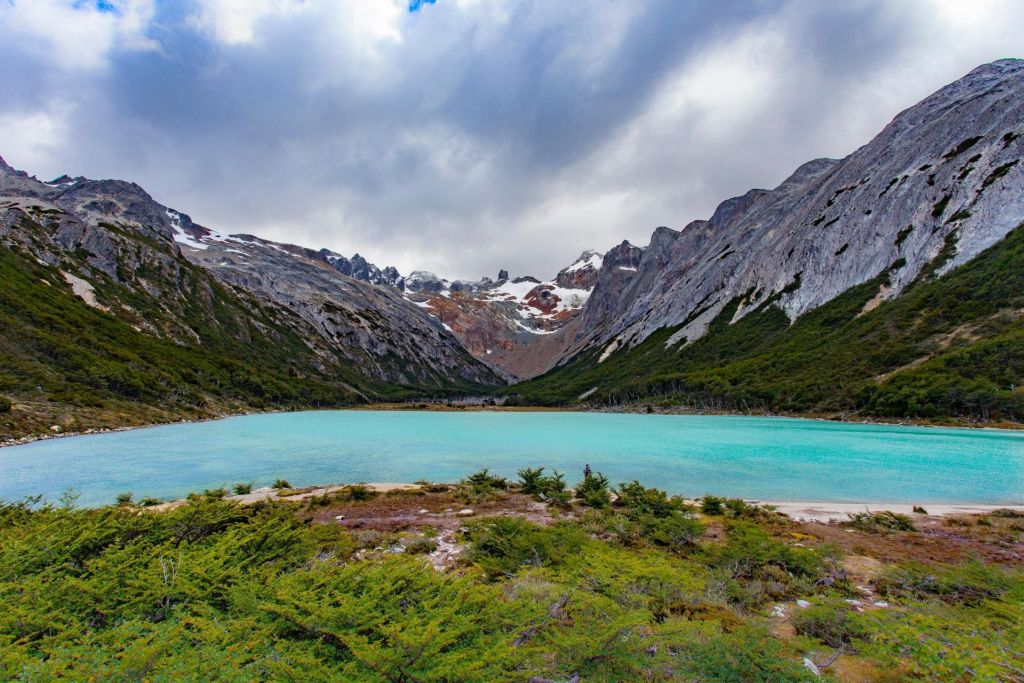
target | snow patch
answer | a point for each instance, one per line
(180, 236)
(532, 330)
(589, 259)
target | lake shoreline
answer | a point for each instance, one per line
(472, 408)
(802, 511)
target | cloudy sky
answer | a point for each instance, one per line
(462, 136)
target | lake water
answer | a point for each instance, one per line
(760, 458)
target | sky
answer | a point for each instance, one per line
(464, 136)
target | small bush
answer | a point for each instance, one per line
(314, 502)
(368, 538)
(530, 479)
(5, 404)
(281, 484)
(678, 531)
(750, 548)
(358, 492)
(593, 491)
(712, 505)
(215, 493)
(241, 489)
(124, 498)
(969, 583)
(150, 502)
(503, 545)
(419, 545)
(1008, 513)
(554, 485)
(918, 510)
(878, 522)
(832, 624)
(431, 487)
(641, 501)
(485, 478)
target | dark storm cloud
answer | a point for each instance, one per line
(469, 135)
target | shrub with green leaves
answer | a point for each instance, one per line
(504, 545)
(640, 500)
(530, 479)
(593, 491)
(483, 478)
(969, 583)
(358, 492)
(712, 505)
(242, 488)
(881, 522)
(5, 404)
(281, 484)
(833, 623)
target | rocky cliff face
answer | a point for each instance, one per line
(110, 235)
(938, 185)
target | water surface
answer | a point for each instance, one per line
(760, 458)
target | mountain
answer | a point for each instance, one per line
(116, 309)
(851, 258)
(518, 326)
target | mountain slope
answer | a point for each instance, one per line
(945, 172)
(835, 291)
(105, 321)
(949, 346)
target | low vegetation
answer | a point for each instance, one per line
(620, 583)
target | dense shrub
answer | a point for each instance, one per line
(970, 583)
(358, 492)
(832, 623)
(504, 545)
(881, 522)
(641, 501)
(593, 491)
(241, 488)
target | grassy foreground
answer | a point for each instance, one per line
(624, 584)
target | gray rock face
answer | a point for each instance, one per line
(359, 268)
(946, 176)
(143, 246)
(376, 322)
(424, 281)
(582, 273)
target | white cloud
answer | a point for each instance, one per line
(77, 37)
(235, 22)
(33, 139)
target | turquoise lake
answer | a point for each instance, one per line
(759, 458)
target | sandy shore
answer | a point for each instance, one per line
(824, 512)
